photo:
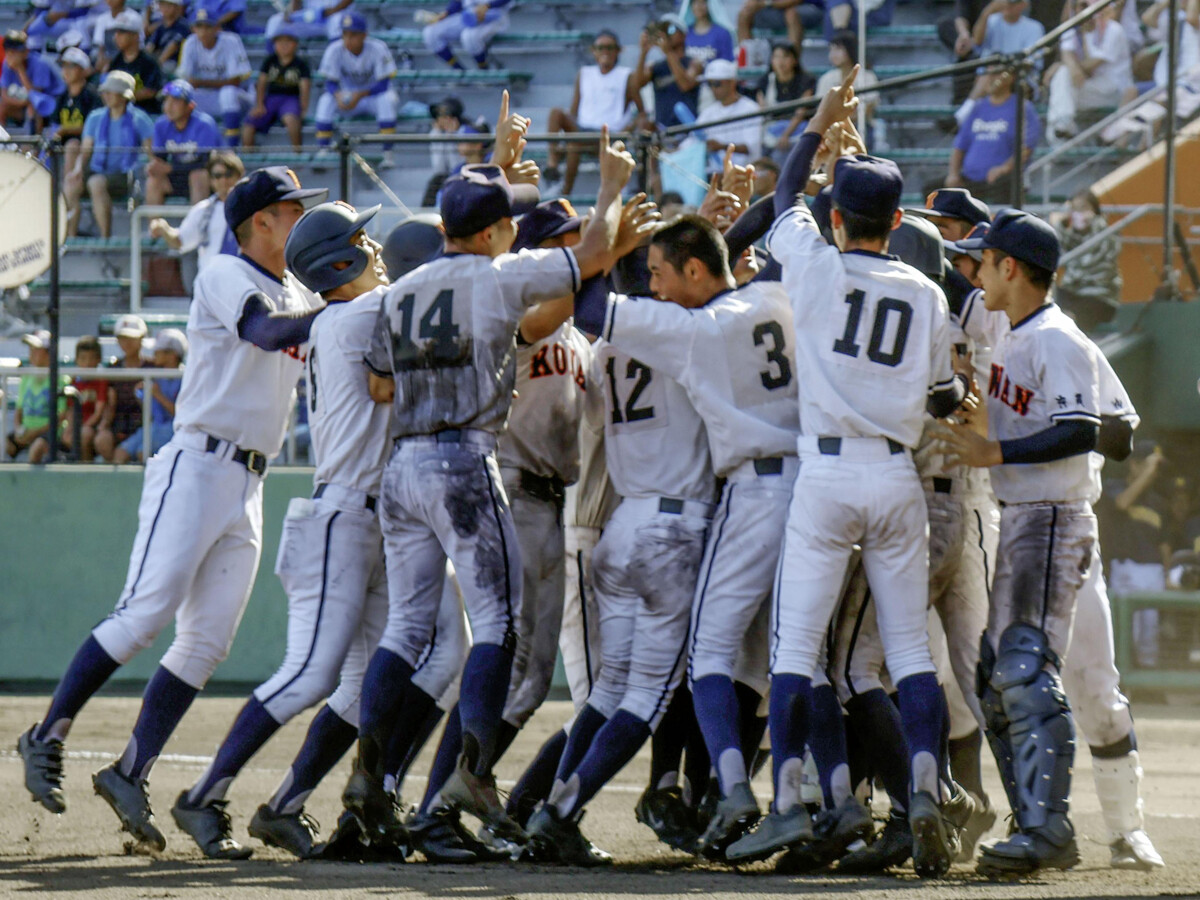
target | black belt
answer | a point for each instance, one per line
(770, 466)
(942, 485)
(547, 488)
(370, 504)
(670, 505)
(445, 436)
(254, 460)
(832, 446)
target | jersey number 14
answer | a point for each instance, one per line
(848, 345)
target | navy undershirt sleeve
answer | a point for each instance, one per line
(1063, 439)
(271, 331)
(794, 176)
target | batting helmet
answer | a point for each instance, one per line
(412, 243)
(919, 244)
(322, 240)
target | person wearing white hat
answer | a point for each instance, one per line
(123, 412)
(32, 420)
(746, 136)
(142, 65)
(75, 104)
(170, 348)
(113, 140)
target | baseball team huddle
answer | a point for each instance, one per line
(832, 511)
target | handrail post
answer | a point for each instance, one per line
(52, 307)
(1020, 70)
(1168, 288)
(344, 167)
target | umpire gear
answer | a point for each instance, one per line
(321, 251)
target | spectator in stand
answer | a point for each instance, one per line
(231, 15)
(183, 138)
(168, 34)
(605, 94)
(843, 56)
(204, 229)
(469, 152)
(1188, 35)
(114, 139)
(310, 19)
(215, 62)
(746, 135)
(956, 33)
(130, 57)
(984, 156)
(75, 104)
(358, 72)
(779, 15)
(766, 176)
(170, 347)
(1002, 28)
(91, 394)
(705, 39)
(282, 92)
(123, 409)
(29, 86)
(1093, 70)
(474, 25)
(32, 420)
(676, 79)
(842, 15)
(104, 48)
(447, 118)
(56, 18)
(1089, 285)
(784, 82)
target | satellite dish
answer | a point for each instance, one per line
(25, 218)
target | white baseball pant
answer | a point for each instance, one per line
(579, 637)
(228, 99)
(474, 39)
(381, 106)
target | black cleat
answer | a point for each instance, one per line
(348, 844)
(892, 848)
(43, 770)
(834, 830)
(932, 848)
(375, 809)
(439, 835)
(210, 827)
(733, 817)
(663, 811)
(560, 840)
(130, 800)
(297, 832)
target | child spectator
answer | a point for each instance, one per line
(114, 138)
(104, 46)
(168, 34)
(746, 135)
(123, 409)
(447, 117)
(91, 394)
(283, 90)
(785, 81)
(130, 57)
(75, 105)
(170, 347)
(32, 419)
(984, 158)
(1089, 285)
(705, 39)
(29, 86)
(215, 62)
(474, 25)
(843, 56)
(204, 228)
(183, 138)
(358, 72)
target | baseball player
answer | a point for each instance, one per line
(200, 519)
(215, 62)
(445, 351)
(953, 211)
(1042, 415)
(474, 25)
(358, 72)
(872, 342)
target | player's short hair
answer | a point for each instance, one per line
(89, 342)
(693, 237)
(865, 228)
(1040, 278)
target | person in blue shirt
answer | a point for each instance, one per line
(706, 40)
(57, 17)
(231, 15)
(29, 86)
(114, 139)
(170, 347)
(473, 23)
(983, 159)
(676, 79)
(183, 138)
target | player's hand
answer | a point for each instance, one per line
(616, 163)
(525, 171)
(737, 180)
(719, 207)
(852, 142)
(511, 129)
(748, 265)
(839, 104)
(639, 219)
(963, 446)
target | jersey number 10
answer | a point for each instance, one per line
(847, 343)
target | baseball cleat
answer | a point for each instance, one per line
(891, 848)
(375, 809)
(1134, 850)
(209, 826)
(1023, 853)
(932, 848)
(43, 770)
(775, 831)
(435, 835)
(733, 817)
(477, 795)
(663, 811)
(130, 800)
(555, 839)
(983, 817)
(834, 831)
(297, 832)
(347, 843)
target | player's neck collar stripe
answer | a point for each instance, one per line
(1033, 315)
(248, 261)
(858, 251)
(718, 295)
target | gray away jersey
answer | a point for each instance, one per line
(654, 440)
(543, 430)
(447, 335)
(734, 358)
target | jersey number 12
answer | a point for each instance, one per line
(847, 343)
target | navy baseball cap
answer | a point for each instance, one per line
(479, 196)
(955, 247)
(954, 203)
(179, 88)
(261, 188)
(287, 30)
(353, 21)
(412, 243)
(1020, 235)
(206, 14)
(547, 220)
(867, 185)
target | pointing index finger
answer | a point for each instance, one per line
(846, 85)
(504, 105)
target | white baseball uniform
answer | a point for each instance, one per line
(200, 518)
(872, 342)
(359, 72)
(225, 59)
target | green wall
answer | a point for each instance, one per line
(65, 537)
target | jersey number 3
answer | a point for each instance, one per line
(772, 380)
(847, 343)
